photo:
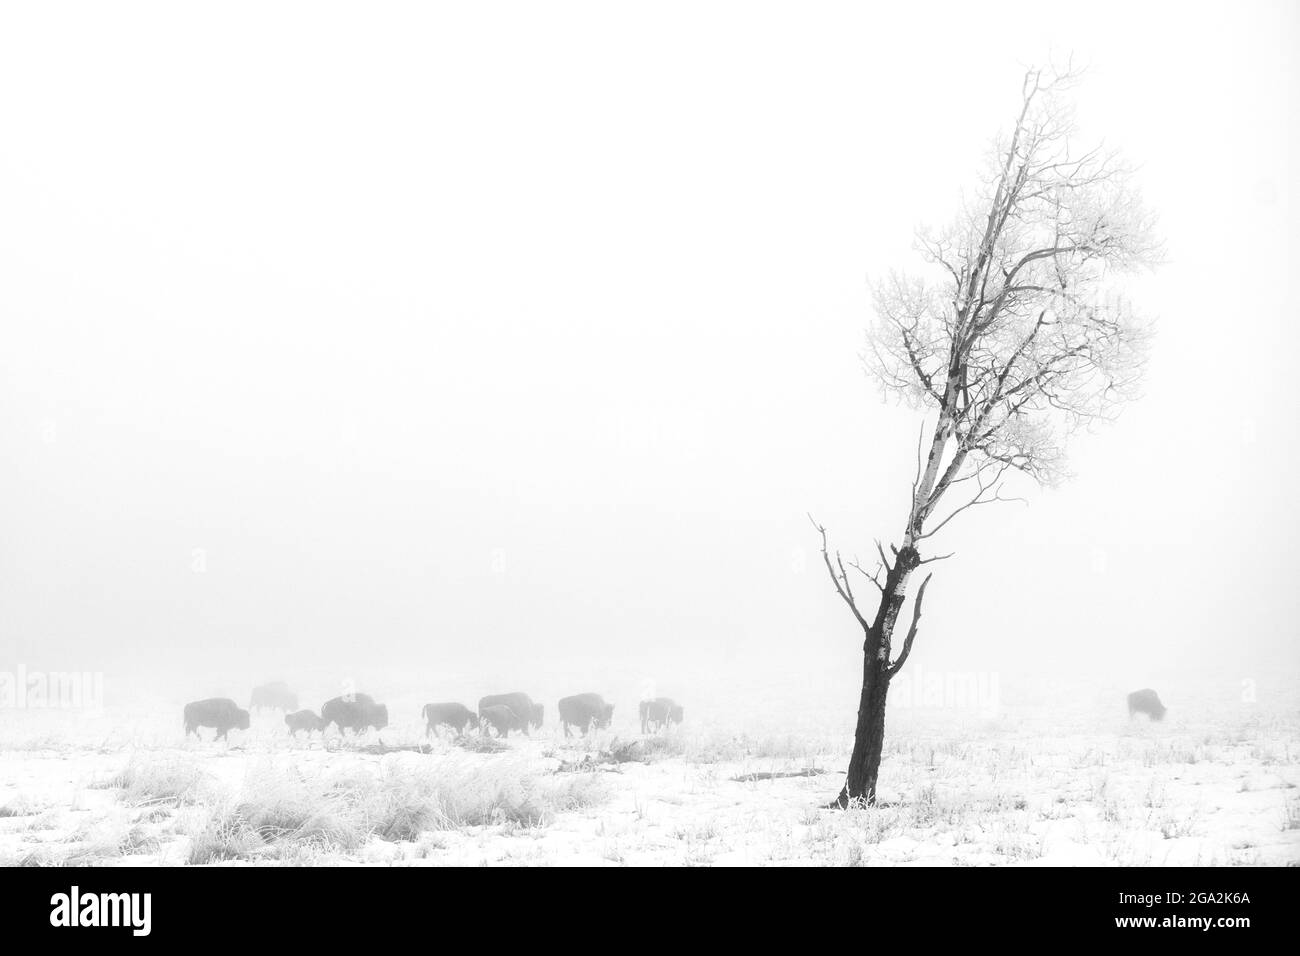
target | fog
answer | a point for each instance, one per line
(464, 350)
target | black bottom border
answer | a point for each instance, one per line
(357, 904)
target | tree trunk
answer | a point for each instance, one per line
(869, 737)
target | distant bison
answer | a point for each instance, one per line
(456, 716)
(659, 713)
(219, 712)
(585, 711)
(357, 712)
(1146, 701)
(500, 718)
(303, 720)
(274, 696)
(529, 714)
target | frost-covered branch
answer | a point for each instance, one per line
(1017, 336)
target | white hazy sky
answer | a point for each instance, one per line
(461, 346)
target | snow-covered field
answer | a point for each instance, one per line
(1214, 784)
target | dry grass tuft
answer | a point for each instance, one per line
(281, 814)
(171, 781)
(23, 806)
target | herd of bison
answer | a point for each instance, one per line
(500, 712)
(360, 712)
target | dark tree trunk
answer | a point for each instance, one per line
(869, 737)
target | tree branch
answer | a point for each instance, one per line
(895, 667)
(841, 580)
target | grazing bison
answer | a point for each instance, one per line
(357, 713)
(1146, 701)
(219, 712)
(529, 714)
(659, 713)
(502, 719)
(456, 716)
(274, 696)
(585, 711)
(303, 720)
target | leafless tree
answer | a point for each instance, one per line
(1011, 339)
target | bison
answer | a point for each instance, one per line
(662, 712)
(501, 718)
(356, 712)
(456, 716)
(585, 711)
(219, 712)
(274, 696)
(303, 720)
(1146, 701)
(529, 714)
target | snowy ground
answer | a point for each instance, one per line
(1030, 786)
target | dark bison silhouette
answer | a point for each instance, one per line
(274, 696)
(219, 712)
(357, 712)
(303, 720)
(585, 711)
(500, 718)
(660, 712)
(529, 714)
(456, 716)
(1146, 701)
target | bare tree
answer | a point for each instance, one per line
(1011, 340)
